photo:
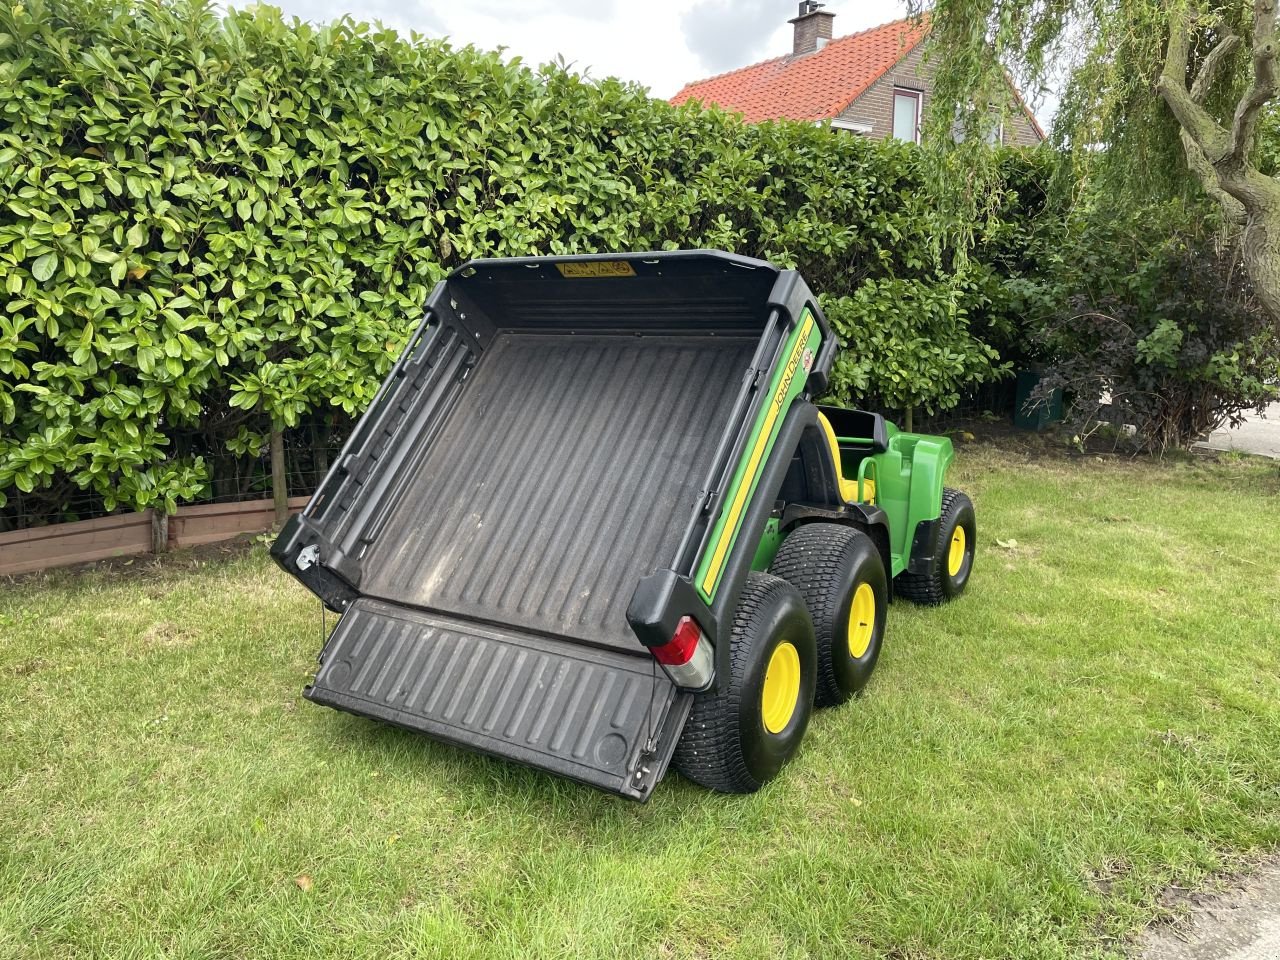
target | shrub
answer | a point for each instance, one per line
(908, 345)
(1159, 337)
(212, 228)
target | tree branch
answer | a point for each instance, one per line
(1198, 131)
(1196, 122)
(1264, 86)
(1212, 64)
(1232, 209)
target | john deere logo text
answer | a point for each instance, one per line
(788, 375)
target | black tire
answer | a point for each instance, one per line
(726, 745)
(829, 564)
(940, 584)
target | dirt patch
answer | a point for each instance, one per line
(1240, 921)
(164, 634)
(971, 431)
(28, 667)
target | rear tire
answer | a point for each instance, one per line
(952, 560)
(741, 733)
(841, 576)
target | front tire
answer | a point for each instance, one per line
(740, 734)
(952, 562)
(841, 576)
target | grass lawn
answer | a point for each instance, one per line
(1097, 719)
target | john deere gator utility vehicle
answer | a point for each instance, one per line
(594, 523)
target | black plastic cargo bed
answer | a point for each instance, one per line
(551, 436)
(565, 477)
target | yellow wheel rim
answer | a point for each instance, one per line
(862, 620)
(955, 558)
(781, 687)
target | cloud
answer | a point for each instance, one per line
(725, 34)
(403, 15)
(515, 10)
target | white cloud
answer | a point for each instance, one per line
(727, 34)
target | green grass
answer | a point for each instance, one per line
(1099, 717)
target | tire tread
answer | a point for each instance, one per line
(708, 752)
(809, 560)
(927, 588)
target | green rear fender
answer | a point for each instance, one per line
(909, 479)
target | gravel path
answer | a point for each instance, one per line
(1242, 924)
(1255, 435)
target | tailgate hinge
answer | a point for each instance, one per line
(645, 763)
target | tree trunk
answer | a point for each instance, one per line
(1218, 154)
(279, 485)
(159, 529)
(1261, 247)
(908, 420)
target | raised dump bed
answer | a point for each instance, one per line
(541, 535)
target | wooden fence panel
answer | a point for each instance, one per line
(129, 534)
(210, 522)
(57, 545)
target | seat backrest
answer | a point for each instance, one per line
(858, 425)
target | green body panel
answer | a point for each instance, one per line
(770, 541)
(909, 477)
(786, 384)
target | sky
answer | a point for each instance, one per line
(662, 44)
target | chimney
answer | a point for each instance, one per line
(813, 28)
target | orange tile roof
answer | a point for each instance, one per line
(813, 86)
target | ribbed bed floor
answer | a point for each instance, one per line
(567, 473)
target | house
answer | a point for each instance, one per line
(876, 83)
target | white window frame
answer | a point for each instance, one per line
(853, 126)
(918, 97)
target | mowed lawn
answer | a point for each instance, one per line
(1032, 766)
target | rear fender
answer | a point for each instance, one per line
(920, 479)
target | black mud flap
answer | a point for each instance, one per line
(601, 716)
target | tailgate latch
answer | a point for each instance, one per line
(308, 557)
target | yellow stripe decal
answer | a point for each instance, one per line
(763, 441)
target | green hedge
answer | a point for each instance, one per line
(212, 226)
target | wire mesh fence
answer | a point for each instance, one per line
(310, 448)
(990, 401)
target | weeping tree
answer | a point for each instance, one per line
(1161, 98)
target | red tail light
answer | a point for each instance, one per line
(680, 649)
(687, 657)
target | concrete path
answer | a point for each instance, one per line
(1242, 924)
(1255, 435)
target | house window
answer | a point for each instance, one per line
(906, 115)
(992, 135)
